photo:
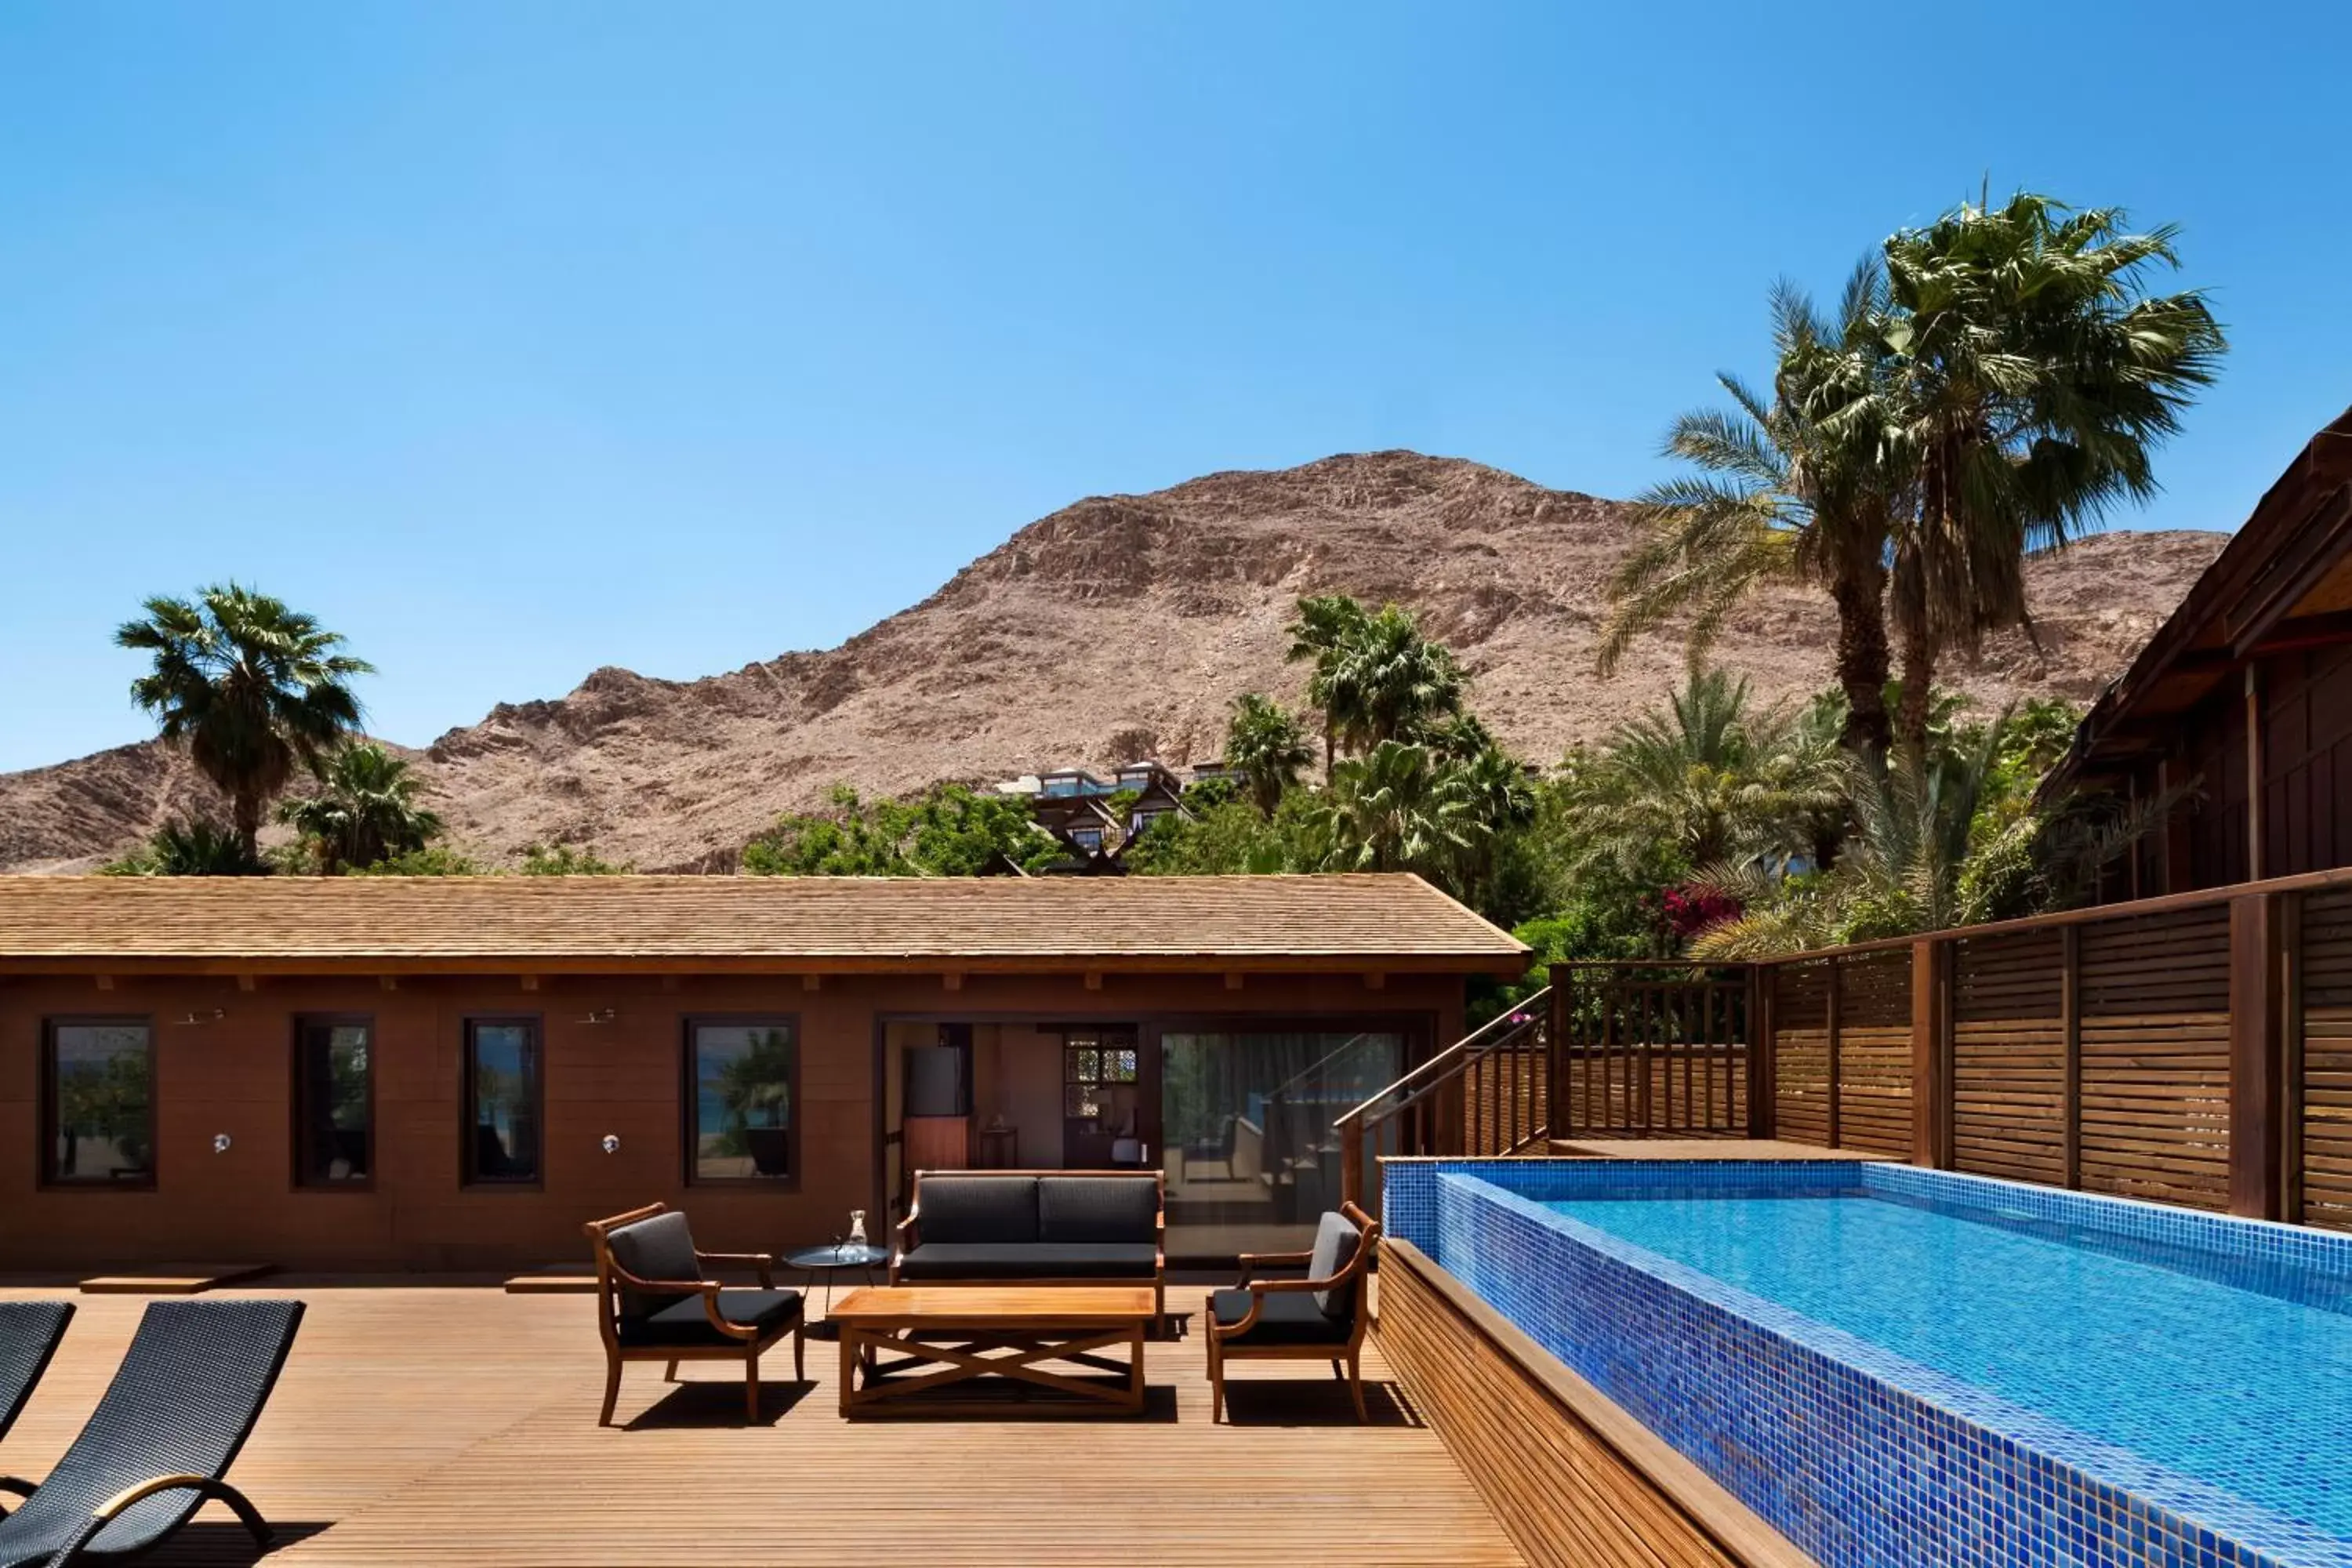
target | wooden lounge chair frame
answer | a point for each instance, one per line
(1346, 1357)
(738, 1342)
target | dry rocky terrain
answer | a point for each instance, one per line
(1119, 628)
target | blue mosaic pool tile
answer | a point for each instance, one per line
(1861, 1457)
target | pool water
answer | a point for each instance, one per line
(2186, 1359)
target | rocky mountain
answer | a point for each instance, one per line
(1119, 628)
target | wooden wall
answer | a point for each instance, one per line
(1577, 1482)
(233, 1075)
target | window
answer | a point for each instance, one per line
(98, 1102)
(334, 1102)
(742, 1075)
(1096, 1065)
(503, 1096)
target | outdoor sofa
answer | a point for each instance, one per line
(1036, 1227)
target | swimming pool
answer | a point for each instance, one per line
(1900, 1366)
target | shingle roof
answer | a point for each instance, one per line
(356, 923)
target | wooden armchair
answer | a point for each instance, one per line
(654, 1303)
(1321, 1318)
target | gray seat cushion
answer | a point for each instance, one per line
(1097, 1208)
(1288, 1318)
(1336, 1241)
(656, 1249)
(1038, 1261)
(957, 1209)
(685, 1323)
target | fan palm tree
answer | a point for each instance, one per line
(1325, 624)
(1399, 684)
(1785, 490)
(2030, 379)
(1398, 808)
(1268, 744)
(252, 688)
(366, 811)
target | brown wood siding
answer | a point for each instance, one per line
(620, 1077)
(1569, 1493)
(2009, 1051)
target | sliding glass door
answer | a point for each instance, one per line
(1252, 1160)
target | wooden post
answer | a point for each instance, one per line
(1829, 1073)
(2257, 1054)
(1558, 1094)
(1931, 1029)
(2253, 775)
(2070, 1025)
(1760, 1050)
(2291, 1079)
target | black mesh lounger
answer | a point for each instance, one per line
(181, 1406)
(29, 1332)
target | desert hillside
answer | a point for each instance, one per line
(1118, 628)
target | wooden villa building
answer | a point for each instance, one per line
(2241, 702)
(453, 1073)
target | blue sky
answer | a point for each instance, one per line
(514, 340)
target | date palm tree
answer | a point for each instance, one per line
(1785, 489)
(366, 811)
(253, 689)
(2030, 379)
(1268, 744)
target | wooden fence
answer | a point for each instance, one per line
(2195, 1049)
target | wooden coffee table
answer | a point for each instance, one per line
(961, 1332)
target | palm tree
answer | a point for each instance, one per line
(1268, 744)
(2030, 379)
(1325, 624)
(1708, 777)
(1398, 808)
(1786, 490)
(365, 813)
(252, 688)
(191, 848)
(1391, 683)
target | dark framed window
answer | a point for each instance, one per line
(334, 1101)
(98, 1102)
(505, 1102)
(743, 1087)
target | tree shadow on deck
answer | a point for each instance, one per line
(1311, 1402)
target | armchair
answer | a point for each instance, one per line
(655, 1302)
(1319, 1318)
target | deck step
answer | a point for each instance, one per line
(174, 1278)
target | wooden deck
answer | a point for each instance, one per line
(421, 1425)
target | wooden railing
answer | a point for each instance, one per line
(1651, 1049)
(2195, 1048)
(1489, 1093)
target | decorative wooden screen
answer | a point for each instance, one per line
(1873, 1046)
(1800, 1008)
(2156, 1056)
(2009, 1057)
(2320, 1067)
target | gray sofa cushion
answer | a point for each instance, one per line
(959, 1209)
(656, 1249)
(685, 1323)
(1097, 1208)
(1288, 1318)
(1037, 1260)
(1336, 1241)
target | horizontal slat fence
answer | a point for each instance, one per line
(2194, 1050)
